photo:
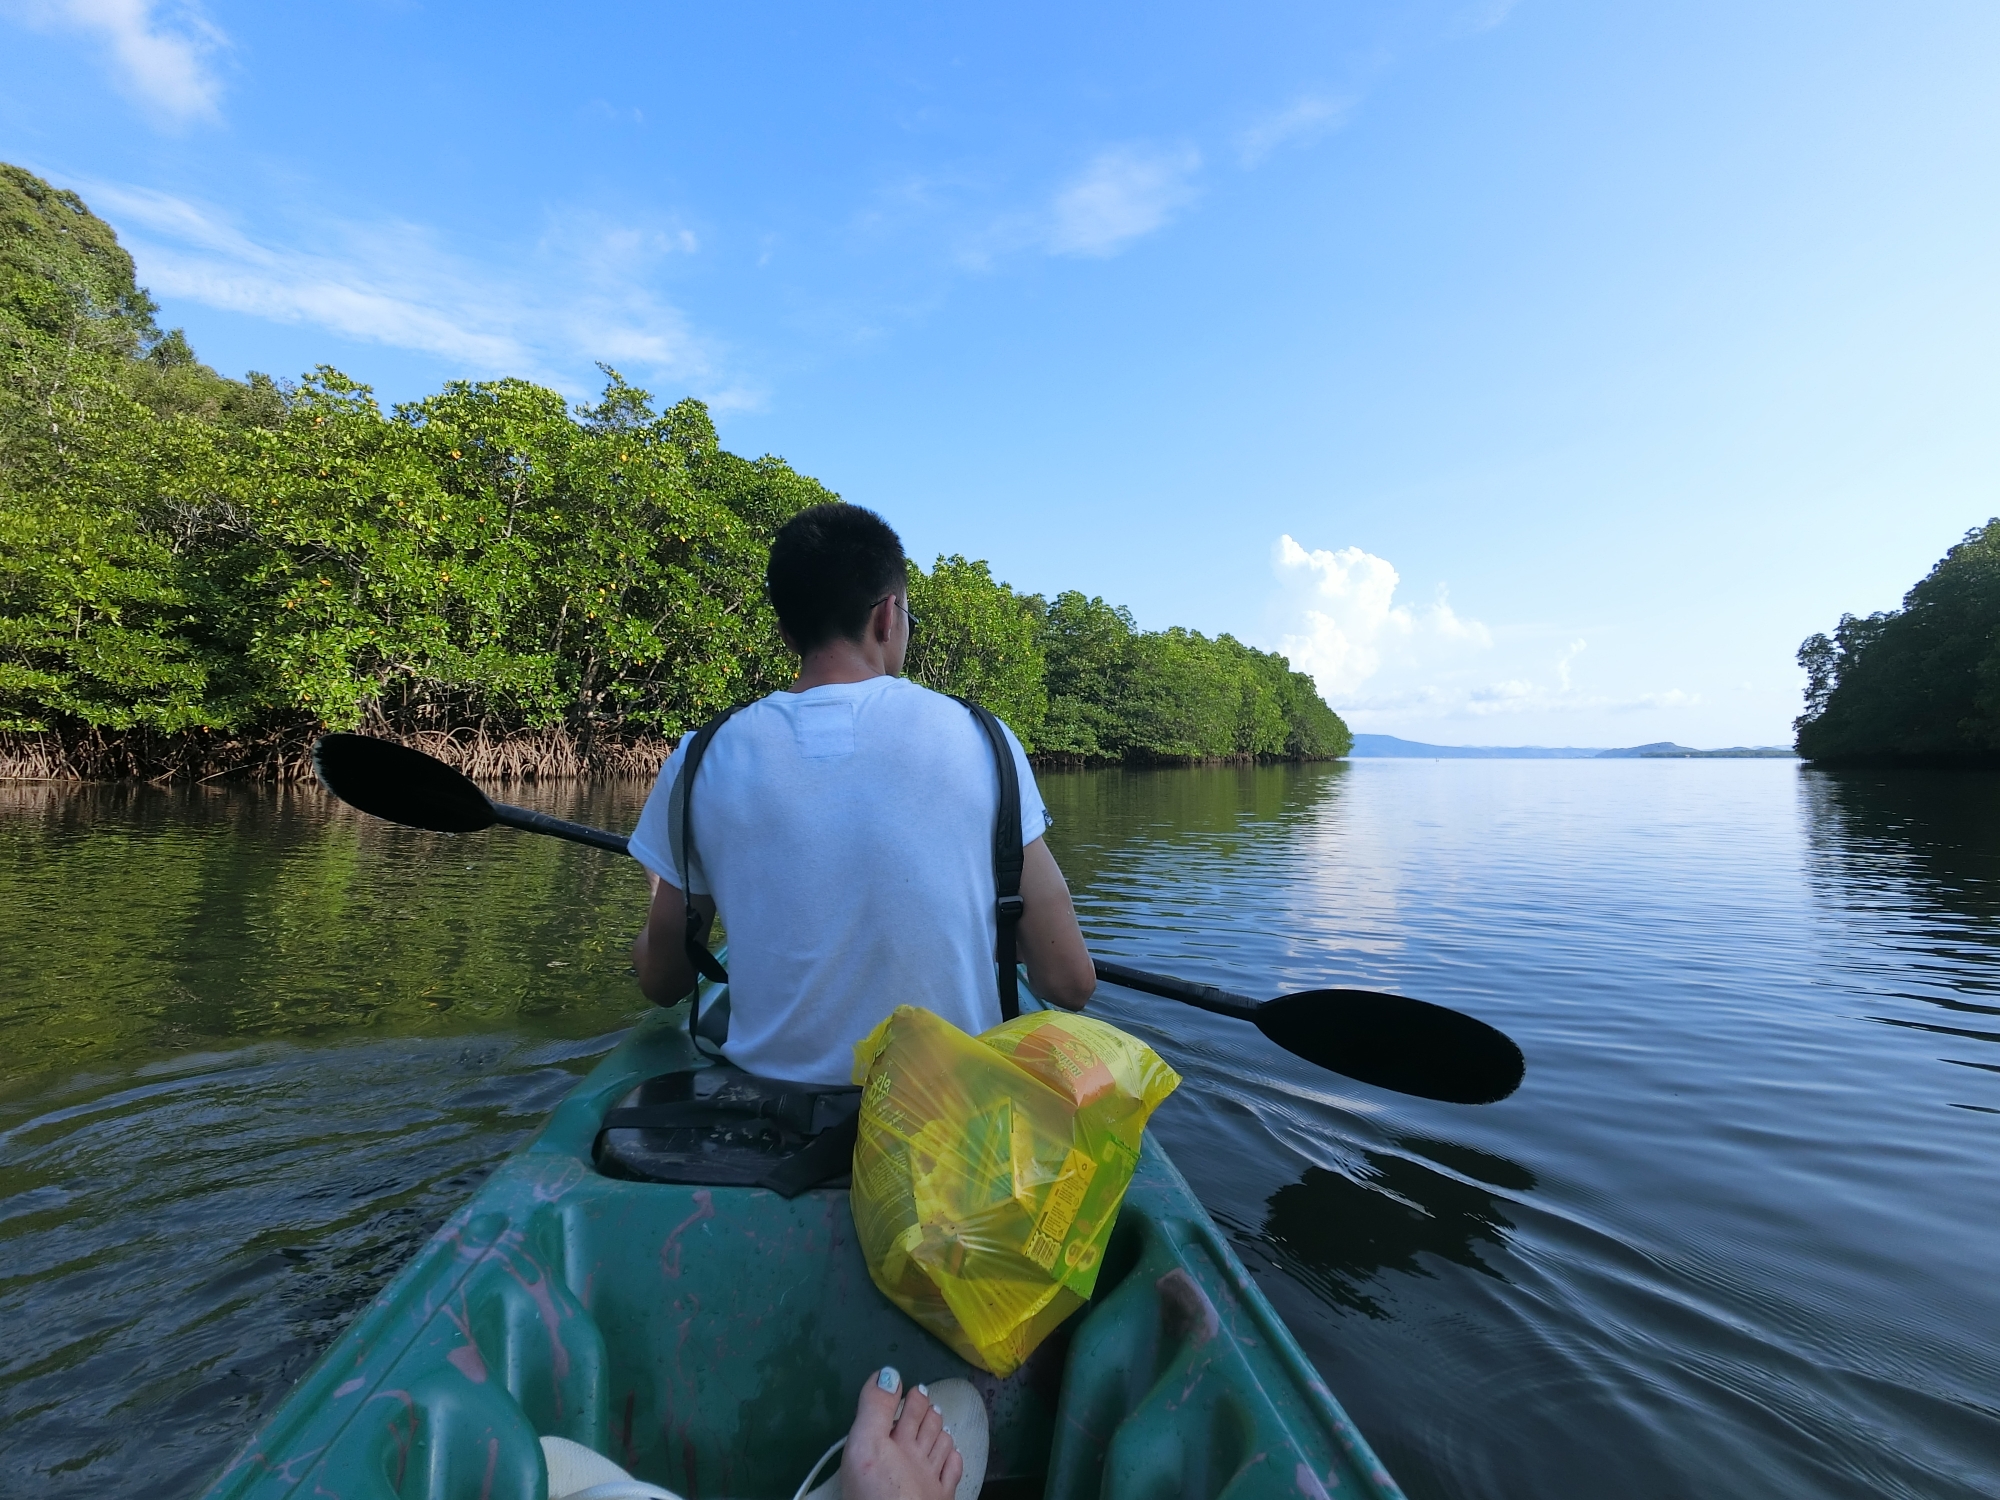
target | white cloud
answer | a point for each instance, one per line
(161, 52)
(1390, 665)
(1342, 617)
(1120, 196)
(1515, 696)
(584, 296)
(1482, 15)
(1562, 666)
(1303, 121)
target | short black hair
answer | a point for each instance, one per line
(829, 567)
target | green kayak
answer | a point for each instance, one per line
(712, 1339)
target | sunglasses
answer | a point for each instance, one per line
(901, 603)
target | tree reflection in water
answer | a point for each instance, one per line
(1934, 837)
(1939, 831)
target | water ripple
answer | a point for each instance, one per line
(1729, 1237)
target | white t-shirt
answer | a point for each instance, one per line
(846, 834)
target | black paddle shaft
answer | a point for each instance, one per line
(576, 833)
(1201, 996)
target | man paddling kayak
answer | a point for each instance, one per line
(842, 829)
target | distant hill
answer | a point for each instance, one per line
(1374, 745)
(1668, 750)
(1379, 746)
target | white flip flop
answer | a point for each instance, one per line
(580, 1473)
(964, 1413)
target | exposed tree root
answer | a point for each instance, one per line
(286, 755)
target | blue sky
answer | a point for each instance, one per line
(1531, 372)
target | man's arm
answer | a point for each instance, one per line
(659, 954)
(1050, 942)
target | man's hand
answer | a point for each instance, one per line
(659, 955)
(1050, 942)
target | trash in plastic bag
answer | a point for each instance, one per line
(988, 1170)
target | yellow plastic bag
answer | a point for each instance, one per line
(988, 1170)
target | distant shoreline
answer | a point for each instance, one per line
(1389, 747)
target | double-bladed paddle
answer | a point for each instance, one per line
(1407, 1046)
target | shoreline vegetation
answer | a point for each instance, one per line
(1916, 686)
(199, 575)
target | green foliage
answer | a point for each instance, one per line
(64, 277)
(1085, 642)
(1917, 684)
(185, 555)
(1181, 696)
(976, 638)
(112, 437)
(485, 558)
(1313, 730)
(481, 559)
(89, 617)
(94, 603)
(1081, 682)
(75, 326)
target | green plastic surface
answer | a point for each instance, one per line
(713, 1340)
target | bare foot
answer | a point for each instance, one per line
(910, 1457)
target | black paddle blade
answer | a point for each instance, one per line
(403, 785)
(1410, 1046)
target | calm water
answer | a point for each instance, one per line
(1735, 1235)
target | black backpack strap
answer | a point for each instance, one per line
(1007, 860)
(694, 936)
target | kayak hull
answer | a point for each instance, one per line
(713, 1340)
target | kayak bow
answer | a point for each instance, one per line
(711, 1339)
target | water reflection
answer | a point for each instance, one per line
(1937, 830)
(1114, 825)
(1417, 1197)
(254, 1048)
(147, 920)
(1207, 835)
(1914, 856)
(1750, 1256)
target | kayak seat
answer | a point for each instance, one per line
(722, 1127)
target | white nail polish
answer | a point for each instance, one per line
(889, 1380)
